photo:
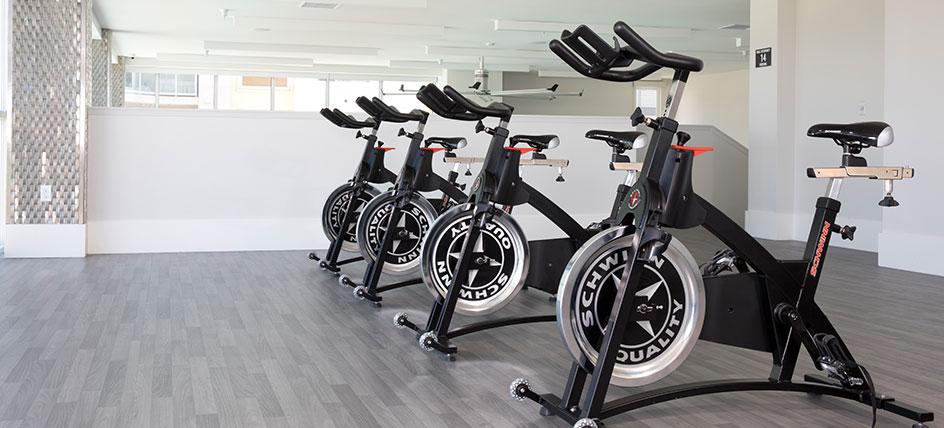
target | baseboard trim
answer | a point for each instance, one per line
(184, 236)
(45, 241)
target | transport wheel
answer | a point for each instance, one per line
(399, 320)
(519, 387)
(426, 341)
(415, 220)
(499, 264)
(335, 208)
(588, 423)
(345, 281)
(360, 292)
(667, 313)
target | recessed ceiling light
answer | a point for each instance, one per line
(262, 29)
(734, 27)
(318, 5)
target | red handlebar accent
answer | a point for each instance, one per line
(521, 150)
(433, 149)
(696, 150)
(386, 149)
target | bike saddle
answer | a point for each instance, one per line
(540, 142)
(620, 140)
(447, 143)
(864, 134)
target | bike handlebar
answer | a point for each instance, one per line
(346, 121)
(391, 114)
(651, 55)
(590, 55)
(443, 105)
(496, 109)
(384, 113)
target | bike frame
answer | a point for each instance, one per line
(370, 170)
(491, 189)
(417, 175)
(782, 282)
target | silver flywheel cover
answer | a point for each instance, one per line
(669, 307)
(415, 220)
(335, 208)
(501, 253)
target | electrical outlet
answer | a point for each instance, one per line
(861, 109)
(45, 193)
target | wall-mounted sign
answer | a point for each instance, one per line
(763, 57)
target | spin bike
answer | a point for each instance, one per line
(633, 301)
(396, 222)
(476, 258)
(344, 205)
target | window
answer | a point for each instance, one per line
(166, 90)
(405, 99)
(262, 93)
(243, 93)
(300, 94)
(343, 93)
(647, 99)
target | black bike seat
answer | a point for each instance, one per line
(540, 142)
(865, 134)
(449, 143)
(622, 140)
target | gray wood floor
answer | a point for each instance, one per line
(265, 339)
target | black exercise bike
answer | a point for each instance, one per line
(633, 301)
(476, 258)
(344, 205)
(396, 222)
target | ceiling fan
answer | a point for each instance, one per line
(480, 88)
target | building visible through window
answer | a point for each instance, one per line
(647, 99)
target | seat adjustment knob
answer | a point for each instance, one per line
(846, 232)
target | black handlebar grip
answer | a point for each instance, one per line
(441, 104)
(599, 64)
(328, 114)
(498, 110)
(354, 123)
(651, 55)
(398, 116)
(369, 107)
(568, 56)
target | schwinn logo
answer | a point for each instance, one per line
(818, 257)
(634, 199)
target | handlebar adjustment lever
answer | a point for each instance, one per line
(638, 118)
(402, 132)
(480, 127)
(683, 137)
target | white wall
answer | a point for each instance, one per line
(913, 235)
(718, 99)
(827, 62)
(771, 122)
(165, 181)
(169, 181)
(839, 45)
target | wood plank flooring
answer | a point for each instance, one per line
(265, 339)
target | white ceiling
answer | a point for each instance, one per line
(404, 37)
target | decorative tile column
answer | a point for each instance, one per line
(48, 117)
